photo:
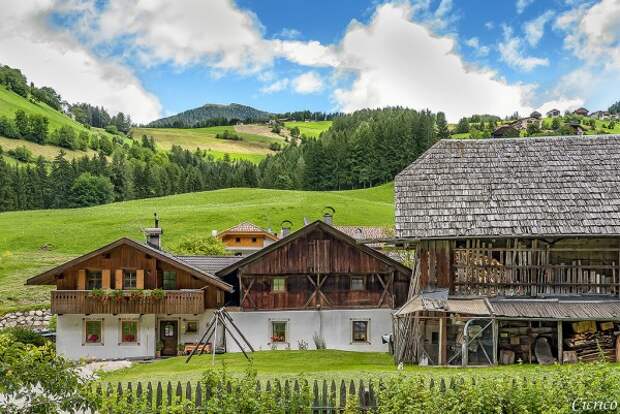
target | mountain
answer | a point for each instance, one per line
(198, 116)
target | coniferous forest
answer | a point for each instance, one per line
(360, 150)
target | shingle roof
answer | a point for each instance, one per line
(365, 232)
(558, 308)
(247, 227)
(210, 264)
(549, 186)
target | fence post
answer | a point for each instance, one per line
(179, 393)
(198, 395)
(188, 391)
(332, 396)
(139, 391)
(315, 392)
(149, 395)
(343, 395)
(159, 396)
(119, 392)
(129, 393)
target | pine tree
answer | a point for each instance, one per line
(442, 126)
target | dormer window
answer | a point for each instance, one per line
(130, 279)
(93, 279)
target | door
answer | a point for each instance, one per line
(169, 335)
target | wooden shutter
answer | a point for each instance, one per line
(140, 279)
(105, 279)
(81, 285)
(118, 279)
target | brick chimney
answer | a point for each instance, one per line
(153, 234)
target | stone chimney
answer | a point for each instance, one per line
(286, 228)
(328, 215)
(153, 234)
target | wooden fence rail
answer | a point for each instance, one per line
(323, 397)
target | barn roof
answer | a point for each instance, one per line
(516, 187)
(210, 264)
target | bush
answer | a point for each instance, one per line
(229, 136)
(90, 190)
(200, 245)
(22, 154)
(112, 129)
(25, 336)
(275, 146)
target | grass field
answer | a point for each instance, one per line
(310, 129)
(47, 151)
(323, 364)
(253, 147)
(33, 240)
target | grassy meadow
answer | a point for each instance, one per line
(313, 364)
(31, 241)
(47, 151)
(310, 129)
(253, 147)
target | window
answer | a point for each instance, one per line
(129, 331)
(357, 283)
(253, 239)
(92, 332)
(237, 239)
(93, 279)
(278, 284)
(170, 280)
(191, 327)
(129, 279)
(360, 331)
(278, 331)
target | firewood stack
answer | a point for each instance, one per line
(590, 342)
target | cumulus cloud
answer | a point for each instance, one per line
(474, 43)
(276, 86)
(522, 5)
(511, 52)
(397, 61)
(54, 58)
(288, 33)
(310, 53)
(309, 82)
(535, 28)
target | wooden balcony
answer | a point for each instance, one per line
(83, 302)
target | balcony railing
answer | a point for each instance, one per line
(532, 272)
(84, 302)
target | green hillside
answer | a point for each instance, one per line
(31, 241)
(252, 147)
(310, 129)
(196, 116)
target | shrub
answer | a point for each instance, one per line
(21, 153)
(200, 245)
(275, 146)
(229, 136)
(25, 336)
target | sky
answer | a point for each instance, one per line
(155, 58)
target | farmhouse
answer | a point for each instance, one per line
(553, 113)
(505, 131)
(133, 300)
(581, 111)
(246, 238)
(517, 251)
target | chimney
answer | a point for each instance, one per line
(153, 234)
(328, 215)
(213, 233)
(286, 228)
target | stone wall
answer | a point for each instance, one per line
(36, 319)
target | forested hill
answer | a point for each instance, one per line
(200, 116)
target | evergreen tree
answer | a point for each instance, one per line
(90, 190)
(442, 126)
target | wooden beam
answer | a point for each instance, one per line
(247, 292)
(443, 343)
(560, 344)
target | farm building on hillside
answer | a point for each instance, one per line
(554, 113)
(246, 238)
(581, 111)
(517, 251)
(317, 282)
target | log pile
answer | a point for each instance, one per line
(592, 344)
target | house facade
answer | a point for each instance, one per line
(316, 284)
(517, 246)
(246, 238)
(130, 300)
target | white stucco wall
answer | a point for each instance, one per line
(70, 338)
(334, 325)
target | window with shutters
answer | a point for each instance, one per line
(170, 280)
(129, 331)
(130, 279)
(93, 279)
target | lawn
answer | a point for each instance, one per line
(253, 147)
(310, 129)
(33, 240)
(323, 364)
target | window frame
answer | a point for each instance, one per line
(137, 338)
(187, 323)
(272, 334)
(360, 278)
(357, 341)
(90, 272)
(85, 341)
(129, 272)
(163, 281)
(283, 289)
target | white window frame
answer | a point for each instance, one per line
(91, 271)
(120, 332)
(135, 278)
(286, 330)
(101, 337)
(284, 287)
(367, 341)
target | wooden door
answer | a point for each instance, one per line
(169, 335)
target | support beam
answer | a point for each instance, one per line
(560, 344)
(443, 341)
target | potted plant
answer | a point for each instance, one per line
(97, 294)
(158, 347)
(136, 294)
(117, 295)
(158, 294)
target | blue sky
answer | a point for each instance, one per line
(156, 58)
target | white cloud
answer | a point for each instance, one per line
(288, 33)
(562, 104)
(53, 58)
(311, 53)
(400, 62)
(276, 86)
(511, 52)
(489, 25)
(522, 5)
(535, 28)
(309, 82)
(474, 43)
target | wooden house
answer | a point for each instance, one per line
(581, 111)
(130, 300)
(553, 113)
(317, 283)
(246, 238)
(517, 245)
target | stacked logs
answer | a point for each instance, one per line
(592, 344)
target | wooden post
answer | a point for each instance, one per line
(443, 346)
(105, 279)
(495, 331)
(81, 279)
(560, 345)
